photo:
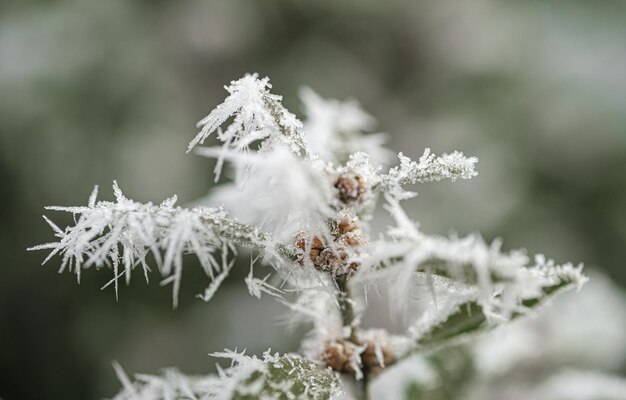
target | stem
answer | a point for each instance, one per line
(365, 387)
(294, 136)
(346, 307)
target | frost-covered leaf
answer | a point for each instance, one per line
(582, 385)
(257, 116)
(561, 334)
(567, 384)
(121, 234)
(287, 377)
(413, 378)
(272, 377)
(438, 327)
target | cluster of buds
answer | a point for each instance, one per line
(351, 187)
(333, 254)
(370, 356)
(347, 230)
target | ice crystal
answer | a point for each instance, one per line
(257, 286)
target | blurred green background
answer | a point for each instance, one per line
(93, 91)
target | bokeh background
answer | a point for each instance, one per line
(92, 91)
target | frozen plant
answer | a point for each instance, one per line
(305, 211)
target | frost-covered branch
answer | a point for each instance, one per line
(257, 116)
(121, 234)
(429, 168)
(268, 378)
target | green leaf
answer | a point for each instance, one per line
(272, 377)
(288, 377)
(452, 369)
(469, 317)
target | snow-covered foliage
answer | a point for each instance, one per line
(465, 276)
(304, 210)
(258, 115)
(573, 349)
(120, 234)
(272, 377)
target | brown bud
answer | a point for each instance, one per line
(330, 260)
(370, 359)
(351, 187)
(337, 355)
(346, 225)
(316, 242)
(300, 241)
(335, 258)
(354, 239)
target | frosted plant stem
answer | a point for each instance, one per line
(346, 307)
(297, 144)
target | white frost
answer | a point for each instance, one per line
(121, 234)
(258, 115)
